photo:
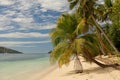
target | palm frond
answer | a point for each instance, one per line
(57, 36)
(108, 3)
(73, 3)
(86, 54)
(90, 38)
(67, 23)
(58, 51)
(94, 49)
(91, 46)
(82, 27)
(70, 0)
(78, 43)
(65, 57)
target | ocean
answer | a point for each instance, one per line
(21, 66)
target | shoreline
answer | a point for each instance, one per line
(53, 72)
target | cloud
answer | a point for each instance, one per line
(5, 23)
(20, 43)
(23, 35)
(6, 2)
(2, 28)
(37, 26)
(19, 17)
(22, 19)
(57, 5)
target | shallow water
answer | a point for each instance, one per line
(16, 66)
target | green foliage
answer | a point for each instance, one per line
(114, 29)
(80, 33)
(115, 17)
(65, 57)
(108, 3)
(68, 41)
(58, 51)
(91, 46)
(78, 43)
(62, 37)
(114, 34)
(73, 3)
(84, 7)
(82, 27)
(64, 29)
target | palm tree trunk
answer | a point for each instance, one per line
(98, 26)
(89, 56)
(105, 65)
(99, 64)
(103, 47)
(77, 65)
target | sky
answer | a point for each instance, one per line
(25, 24)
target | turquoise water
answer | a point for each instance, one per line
(15, 66)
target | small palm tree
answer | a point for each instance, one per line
(64, 39)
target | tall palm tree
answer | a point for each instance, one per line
(88, 10)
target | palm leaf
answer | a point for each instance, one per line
(78, 43)
(65, 57)
(57, 51)
(82, 27)
(87, 55)
(92, 48)
(57, 36)
(108, 3)
(70, 0)
(73, 4)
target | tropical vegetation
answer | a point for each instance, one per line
(113, 30)
(80, 33)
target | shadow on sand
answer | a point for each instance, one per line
(97, 70)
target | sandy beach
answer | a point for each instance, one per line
(91, 72)
(53, 72)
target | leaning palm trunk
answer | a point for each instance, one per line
(77, 65)
(92, 59)
(106, 65)
(98, 26)
(103, 47)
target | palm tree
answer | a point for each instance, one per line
(88, 10)
(71, 38)
(63, 38)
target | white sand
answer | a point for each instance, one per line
(91, 72)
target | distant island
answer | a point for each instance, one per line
(8, 50)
